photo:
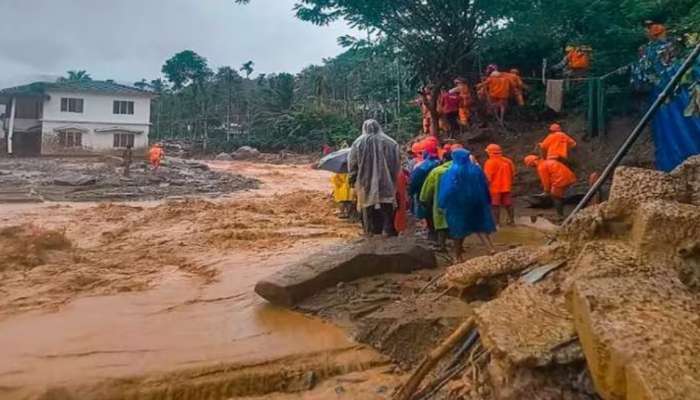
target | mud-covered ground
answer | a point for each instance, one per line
(103, 179)
(101, 300)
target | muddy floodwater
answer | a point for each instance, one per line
(175, 325)
(121, 292)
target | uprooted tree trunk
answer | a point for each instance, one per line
(432, 359)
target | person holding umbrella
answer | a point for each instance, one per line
(374, 164)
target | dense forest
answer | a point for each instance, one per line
(407, 44)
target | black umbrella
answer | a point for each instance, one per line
(335, 162)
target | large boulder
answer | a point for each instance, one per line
(344, 263)
(223, 157)
(245, 153)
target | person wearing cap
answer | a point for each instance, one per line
(576, 61)
(655, 31)
(500, 173)
(556, 178)
(557, 144)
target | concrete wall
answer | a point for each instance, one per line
(92, 141)
(97, 115)
(97, 108)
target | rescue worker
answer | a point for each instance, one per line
(556, 178)
(156, 155)
(449, 112)
(127, 156)
(557, 144)
(500, 173)
(498, 87)
(576, 61)
(465, 100)
(518, 86)
(464, 196)
(422, 102)
(342, 194)
(429, 197)
(655, 31)
(374, 163)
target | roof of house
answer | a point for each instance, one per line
(41, 88)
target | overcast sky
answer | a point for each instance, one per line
(127, 40)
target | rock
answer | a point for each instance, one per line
(75, 179)
(245, 153)
(196, 165)
(344, 263)
(223, 157)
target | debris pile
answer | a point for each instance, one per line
(610, 310)
(95, 179)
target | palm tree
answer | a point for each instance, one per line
(247, 68)
(76, 76)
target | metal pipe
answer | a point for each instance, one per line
(622, 152)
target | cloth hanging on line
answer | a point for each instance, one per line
(555, 94)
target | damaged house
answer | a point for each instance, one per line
(44, 118)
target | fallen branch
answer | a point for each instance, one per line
(431, 360)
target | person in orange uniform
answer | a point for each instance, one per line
(499, 88)
(557, 144)
(500, 173)
(155, 155)
(556, 178)
(465, 101)
(421, 101)
(518, 86)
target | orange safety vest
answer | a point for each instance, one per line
(499, 172)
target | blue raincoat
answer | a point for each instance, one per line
(464, 196)
(418, 177)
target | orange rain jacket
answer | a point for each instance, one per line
(557, 145)
(555, 177)
(500, 173)
(155, 154)
(499, 86)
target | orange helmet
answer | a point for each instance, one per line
(555, 128)
(494, 150)
(531, 160)
(417, 148)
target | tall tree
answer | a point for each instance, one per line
(185, 68)
(76, 76)
(247, 68)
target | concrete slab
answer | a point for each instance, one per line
(344, 263)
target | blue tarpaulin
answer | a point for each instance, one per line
(676, 136)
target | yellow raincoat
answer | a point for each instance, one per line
(341, 188)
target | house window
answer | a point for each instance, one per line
(122, 140)
(68, 139)
(123, 107)
(71, 105)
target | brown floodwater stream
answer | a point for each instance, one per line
(175, 325)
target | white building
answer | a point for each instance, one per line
(74, 117)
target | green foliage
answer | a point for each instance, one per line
(185, 68)
(75, 76)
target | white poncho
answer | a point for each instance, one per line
(375, 161)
